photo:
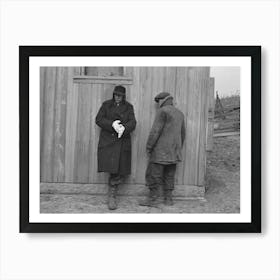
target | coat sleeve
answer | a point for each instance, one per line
(156, 130)
(131, 123)
(102, 121)
(183, 132)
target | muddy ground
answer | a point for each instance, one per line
(222, 190)
(223, 176)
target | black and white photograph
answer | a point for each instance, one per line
(140, 139)
(135, 138)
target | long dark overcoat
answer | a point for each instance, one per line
(114, 154)
(167, 135)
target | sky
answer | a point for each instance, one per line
(227, 80)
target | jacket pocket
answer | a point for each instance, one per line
(106, 139)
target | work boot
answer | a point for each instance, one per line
(168, 200)
(151, 200)
(112, 200)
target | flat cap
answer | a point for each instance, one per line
(161, 95)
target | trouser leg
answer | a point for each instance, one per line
(169, 178)
(154, 173)
(114, 181)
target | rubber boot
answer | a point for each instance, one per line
(151, 200)
(168, 200)
(112, 197)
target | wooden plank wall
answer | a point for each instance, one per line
(57, 104)
(69, 135)
(211, 113)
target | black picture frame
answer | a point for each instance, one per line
(25, 52)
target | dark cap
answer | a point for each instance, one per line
(161, 95)
(119, 90)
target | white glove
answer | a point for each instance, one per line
(121, 130)
(116, 125)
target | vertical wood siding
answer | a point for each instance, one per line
(69, 135)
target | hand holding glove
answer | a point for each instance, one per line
(116, 125)
(121, 130)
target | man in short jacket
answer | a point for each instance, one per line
(164, 147)
(116, 119)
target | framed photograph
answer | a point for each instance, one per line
(140, 139)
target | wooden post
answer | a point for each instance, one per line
(211, 110)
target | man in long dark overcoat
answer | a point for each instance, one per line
(116, 119)
(164, 147)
